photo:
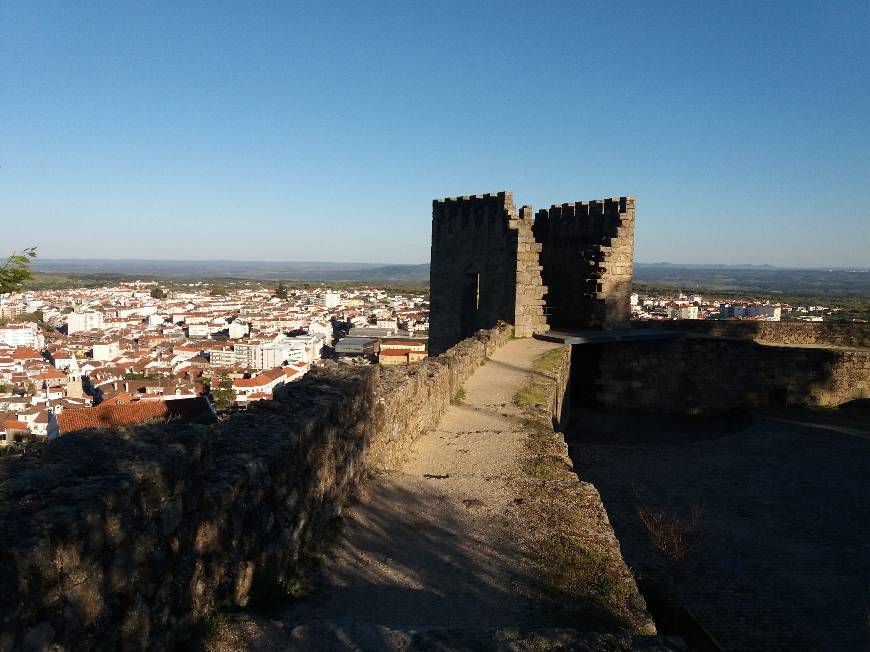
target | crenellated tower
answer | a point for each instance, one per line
(587, 258)
(485, 269)
(492, 262)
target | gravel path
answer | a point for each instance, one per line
(430, 544)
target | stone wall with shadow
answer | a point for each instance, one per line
(843, 334)
(703, 375)
(129, 539)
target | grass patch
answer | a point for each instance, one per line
(549, 362)
(459, 396)
(529, 396)
(574, 568)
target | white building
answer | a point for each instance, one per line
(331, 299)
(304, 348)
(769, 312)
(684, 312)
(83, 321)
(104, 351)
(26, 334)
(392, 324)
(198, 330)
(239, 330)
(324, 331)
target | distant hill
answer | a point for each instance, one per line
(259, 270)
(834, 282)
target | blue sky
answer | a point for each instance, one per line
(283, 131)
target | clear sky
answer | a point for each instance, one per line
(277, 131)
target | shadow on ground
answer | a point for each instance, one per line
(782, 563)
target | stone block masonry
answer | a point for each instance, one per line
(491, 262)
(124, 540)
(587, 260)
(485, 268)
(789, 333)
(708, 375)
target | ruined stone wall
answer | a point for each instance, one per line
(124, 540)
(847, 334)
(484, 268)
(713, 375)
(587, 259)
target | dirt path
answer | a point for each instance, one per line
(450, 550)
(430, 545)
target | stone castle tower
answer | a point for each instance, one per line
(485, 268)
(493, 263)
(588, 260)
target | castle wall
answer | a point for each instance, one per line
(587, 260)
(714, 375)
(772, 332)
(125, 539)
(484, 269)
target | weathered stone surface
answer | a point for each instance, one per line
(122, 539)
(716, 374)
(491, 263)
(485, 269)
(587, 253)
(853, 335)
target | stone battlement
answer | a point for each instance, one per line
(505, 196)
(587, 257)
(594, 206)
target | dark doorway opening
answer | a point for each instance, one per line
(470, 317)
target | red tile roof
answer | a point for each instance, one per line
(117, 416)
(49, 374)
(26, 353)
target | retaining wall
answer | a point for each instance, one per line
(710, 375)
(772, 332)
(126, 539)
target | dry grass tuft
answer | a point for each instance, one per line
(672, 534)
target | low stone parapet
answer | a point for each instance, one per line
(127, 539)
(844, 334)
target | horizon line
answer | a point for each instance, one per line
(37, 260)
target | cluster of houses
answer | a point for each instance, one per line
(694, 306)
(114, 356)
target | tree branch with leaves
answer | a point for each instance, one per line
(16, 270)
